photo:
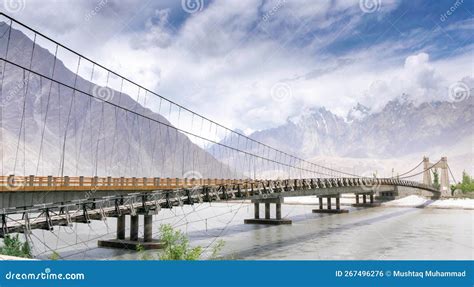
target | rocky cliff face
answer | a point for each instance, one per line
(317, 131)
(50, 129)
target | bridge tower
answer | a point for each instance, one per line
(427, 173)
(443, 175)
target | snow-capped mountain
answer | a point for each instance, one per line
(400, 128)
(357, 113)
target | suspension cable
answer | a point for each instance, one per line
(410, 170)
(421, 171)
(169, 125)
(174, 103)
(452, 175)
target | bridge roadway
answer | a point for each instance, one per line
(20, 192)
(47, 201)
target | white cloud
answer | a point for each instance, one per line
(157, 32)
(223, 61)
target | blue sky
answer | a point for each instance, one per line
(414, 19)
(255, 64)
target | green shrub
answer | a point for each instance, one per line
(143, 254)
(54, 256)
(217, 249)
(14, 247)
(177, 245)
(435, 179)
(467, 184)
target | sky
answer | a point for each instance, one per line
(254, 64)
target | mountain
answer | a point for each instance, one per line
(357, 113)
(400, 128)
(403, 128)
(49, 129)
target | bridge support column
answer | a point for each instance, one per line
(121, 227)
(256, 207)
(148, 228)
(268, 220)
(132, 243)
(134, 227)
(267, 210)
(364, 203)
(329, 208)
(278, 211)
(386, 195)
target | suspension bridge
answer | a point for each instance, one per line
(80, 142)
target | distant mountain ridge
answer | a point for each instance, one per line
(400, 128)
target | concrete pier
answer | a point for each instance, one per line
(134, 227)
(256, 207)
(278, 210)
(132, 243)
(364, 203)
(121, 227)
(329, 208)
(267, 210)
(148, 228)
(267, 220)
(387, 195)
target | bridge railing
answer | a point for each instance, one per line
(13, 183)
(24, 183)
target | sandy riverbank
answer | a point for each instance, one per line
(419, 201)
(408, 201)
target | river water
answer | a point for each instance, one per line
(372, 233)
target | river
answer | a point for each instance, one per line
(372, 233)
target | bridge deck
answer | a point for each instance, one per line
(50, 183)
(151, 195)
